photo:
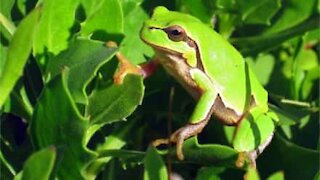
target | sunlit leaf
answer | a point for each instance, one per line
(18, 52)
(132, 24)
(40, 164)
(252, 174)
(6, 7)
(6, 25)
(198, 9)
(276, 176)
(63, 95)
(262, 66)
(154, 167)
(104, 19)
(54, 27)
(251, 133)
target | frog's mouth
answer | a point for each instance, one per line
(162, 49)
(156, 47)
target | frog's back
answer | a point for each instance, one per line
(231, 75)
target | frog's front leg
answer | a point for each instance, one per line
(126, 67)
(200, 115)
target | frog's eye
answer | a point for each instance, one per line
(175, 33)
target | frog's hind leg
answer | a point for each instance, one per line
(200, 116)
(254, 116)
(182, 134)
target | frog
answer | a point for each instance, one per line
(208, 67)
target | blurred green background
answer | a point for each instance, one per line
(62, 117)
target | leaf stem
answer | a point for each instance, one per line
(11, 28)
(6, 163)
(297, 103)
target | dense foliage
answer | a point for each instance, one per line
(62, 116)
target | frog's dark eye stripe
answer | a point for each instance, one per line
(191, 43)
(175, 33)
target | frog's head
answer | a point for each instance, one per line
(168, 32)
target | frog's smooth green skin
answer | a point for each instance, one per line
(208, 67)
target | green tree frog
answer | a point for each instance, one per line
(208, 67)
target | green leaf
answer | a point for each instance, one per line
(307, 59)
(258, 12)
(116, 140)
(22, 6)
(293, 12)
(54, 27)
(83, 58)
(68, 109)
(227, 23)
(56, 121)
(130, 5)
(227, 5)
(39, 165)
(126, 156)
(18, 52)
(132, 24)
(276, 176)
(283, 155)
(252, 132)
(309, 82)
(256, 44)
(3, 52)
(252, 174)
(198, 9)
(285, 118)
(6, 8)
(262, 66)
(6, 25)
(154, 167)
(305, 63)
(209, 173)
(209, 154)
(7, 30)
(104, 19)
(115, 102)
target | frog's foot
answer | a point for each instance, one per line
(180, 135)
(245, 157)
(252, 155)
(125, 66)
